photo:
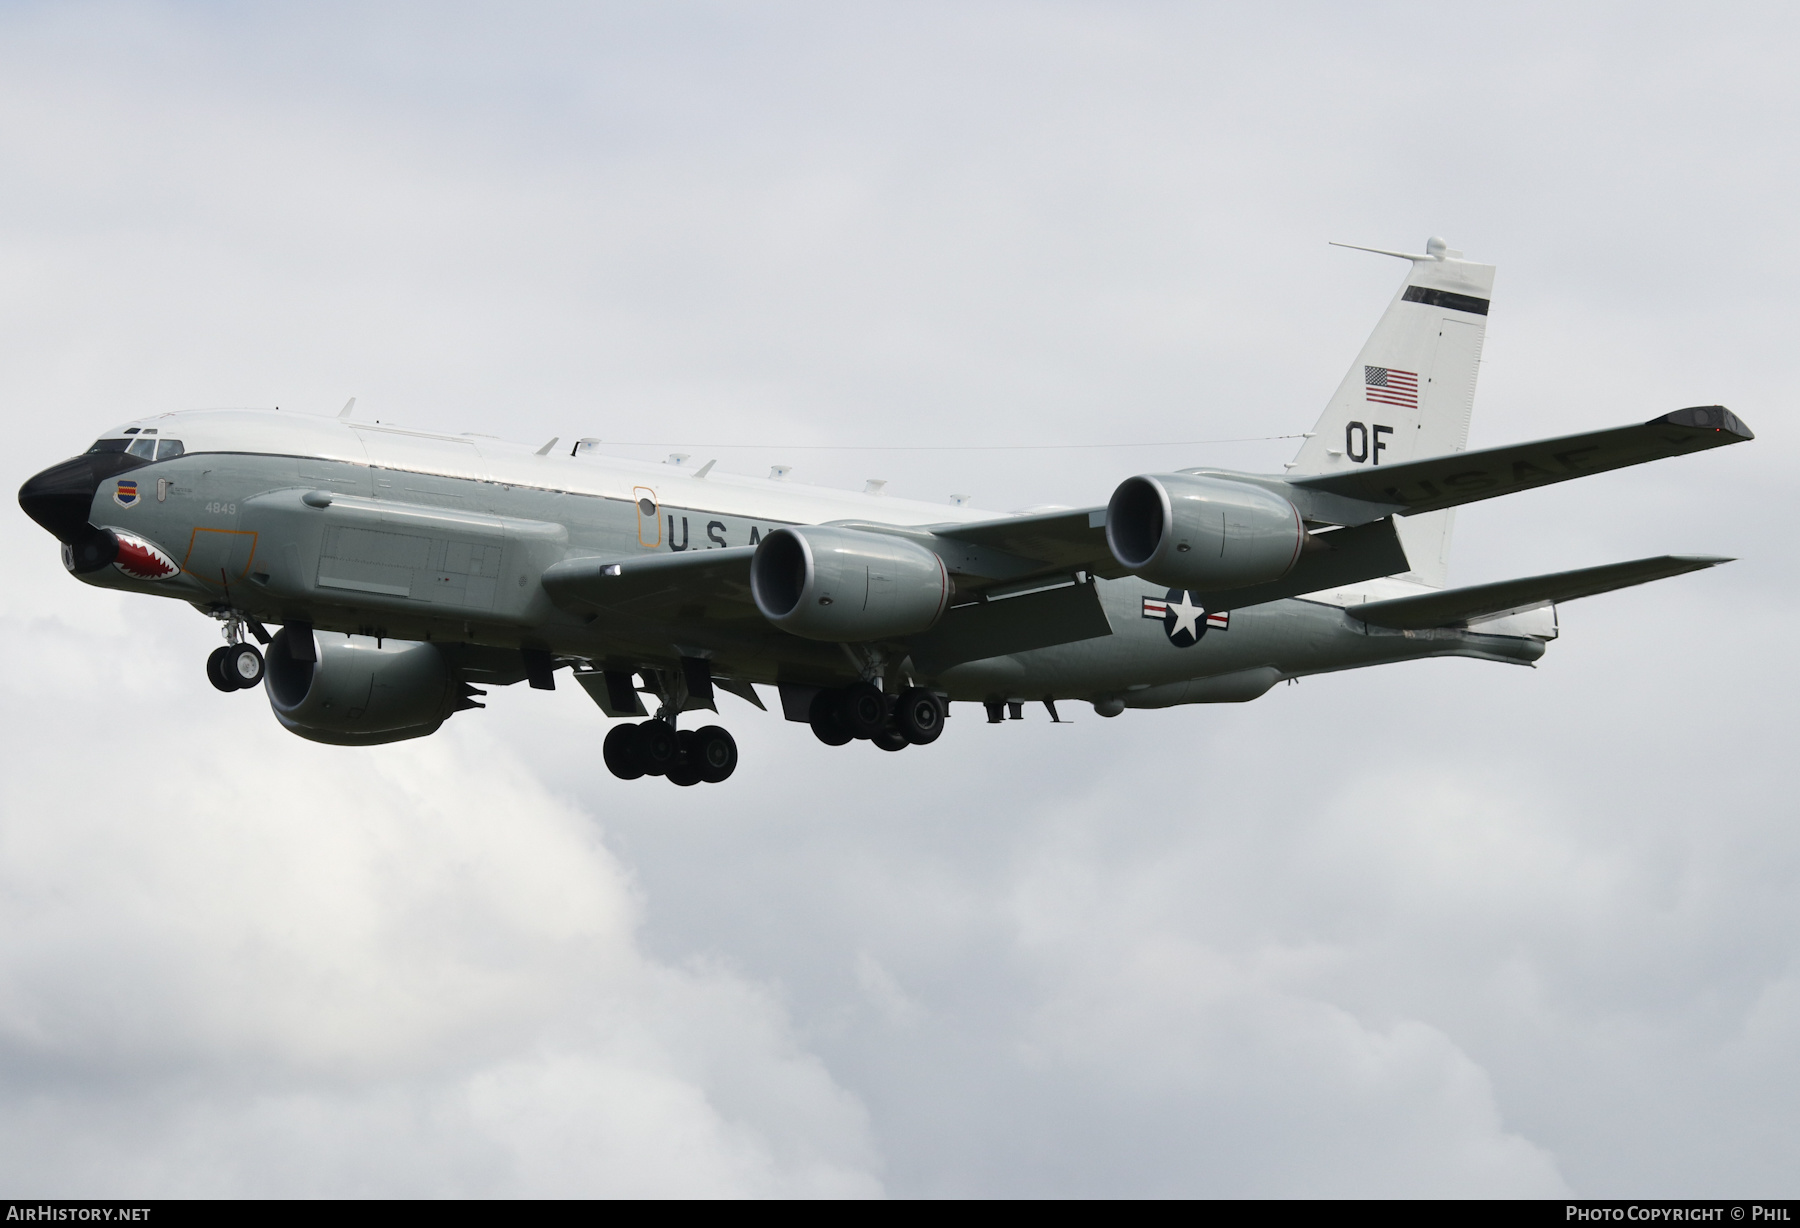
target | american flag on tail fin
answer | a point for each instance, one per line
(1388, 386)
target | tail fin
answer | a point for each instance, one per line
(1412, 389)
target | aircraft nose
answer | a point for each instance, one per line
(60, 497)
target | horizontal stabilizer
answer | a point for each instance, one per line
(1459, 606)
(1466, 477)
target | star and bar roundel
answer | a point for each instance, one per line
(1183, 618)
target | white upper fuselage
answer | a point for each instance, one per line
(483, 458)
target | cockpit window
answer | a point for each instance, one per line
(145, 446)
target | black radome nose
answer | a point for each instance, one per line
(60, 497)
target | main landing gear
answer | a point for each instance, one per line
(235, 667)
(914, 717)
(655, 748)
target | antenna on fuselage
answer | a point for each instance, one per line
(348, 406)
(545, 450)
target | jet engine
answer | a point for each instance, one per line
(847, 585)
(358, 691)
(1203, 533)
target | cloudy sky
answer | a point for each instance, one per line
(1442, 928)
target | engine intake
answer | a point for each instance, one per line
(358, 691)
(847, 585)
(1203, 533)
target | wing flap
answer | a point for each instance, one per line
(1466, 477)
(1459, 606)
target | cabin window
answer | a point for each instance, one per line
(168, 449)
(143, 446)
(109, 445)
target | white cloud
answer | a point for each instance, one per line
(235, 962)
(1444, 928)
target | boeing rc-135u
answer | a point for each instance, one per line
(406, 567)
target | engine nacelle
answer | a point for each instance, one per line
(359, 692)
(1203, 533)
(847, 585)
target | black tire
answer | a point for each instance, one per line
(715, 752)
(891, 739)
(244, 666)
(620, 750)
(216, 669)
(686, 770)
(657, 747)
(919, 714)
(865, 709)
(827, 718)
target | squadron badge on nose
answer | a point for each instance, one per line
(1183, 618)
(126, 493)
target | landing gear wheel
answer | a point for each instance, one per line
(216, 668)
(620, 750)
(865, 709)
(891, 739)
(827, 718)
(657, 747)
(715, 752)
(686, 770)
(244, 666)
(919, 714)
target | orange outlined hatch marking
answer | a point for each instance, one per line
(213, 554)
(647, 511)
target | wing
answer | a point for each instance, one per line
(1465, 477)
(690, 584)
(1340, 556)
(1459, 606)
(1019, 546)
(1065, 614)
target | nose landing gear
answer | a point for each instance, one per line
(234, 667)
(653, 748)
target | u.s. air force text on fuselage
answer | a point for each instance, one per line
(406, 569)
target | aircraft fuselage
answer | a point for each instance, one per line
(446, 539)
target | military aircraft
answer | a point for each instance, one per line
(407, 568)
